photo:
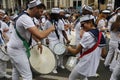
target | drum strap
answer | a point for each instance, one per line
(94, 47)
(55, 23)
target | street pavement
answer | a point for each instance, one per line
(64, 73)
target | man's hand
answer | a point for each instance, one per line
(40, 47)
(68, 41)
(52, 28)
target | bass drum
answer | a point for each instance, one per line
(44, 62)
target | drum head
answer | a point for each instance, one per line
(42, 63)
(59, 49)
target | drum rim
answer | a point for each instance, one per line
(34, 70)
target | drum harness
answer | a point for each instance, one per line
(25, 43)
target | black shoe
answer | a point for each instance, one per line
(4, 78)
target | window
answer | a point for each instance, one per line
(76, 3)
(1, 6)
(50, 4)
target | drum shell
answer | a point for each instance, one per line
(71, 62)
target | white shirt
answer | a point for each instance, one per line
(77, 32)
(22, 24)
(52, 36)
(88, 64)
(60, 29)
(2, 26)
(110, 22)
(101, 24)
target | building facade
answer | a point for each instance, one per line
(15, 5)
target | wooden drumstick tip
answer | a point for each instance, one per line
(38, 42)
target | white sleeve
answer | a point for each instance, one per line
(60, 25)
(86, 40)
(4, 26)
(47, 25)
(26, 21)
(101, 24)
(113, 19)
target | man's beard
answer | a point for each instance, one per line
(37, 17)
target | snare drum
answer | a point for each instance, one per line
(44, 62)
(71, 62)
(3, 54)
(59, 48)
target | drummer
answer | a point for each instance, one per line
(25, 27)
(53, 38)
(91, 59)
(3, 64)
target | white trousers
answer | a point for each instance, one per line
(112, 48)
(21, 66)
(76, 75)
(3, 66)
(116, 73)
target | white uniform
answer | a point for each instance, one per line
(101, 24)
(3, 64)
(53, 39)
(113, 44)
(11, 28)
(88, 64)
(110, 22)
(60, 28)
(116, 73)
(61, 24)
(77, 32)
(17, 51)
(52, 36)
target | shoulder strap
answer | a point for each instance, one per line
(94, 47)
(56, 32)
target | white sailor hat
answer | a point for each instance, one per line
(55, 10)
(4, 16)
(86, 18)
(118, 14)
(106, 11)
(96, 10)
(2, 11)
(61, 10)
(88, 8)
(67, 15)
(117, 9)
(34, 3)
(14, 16)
